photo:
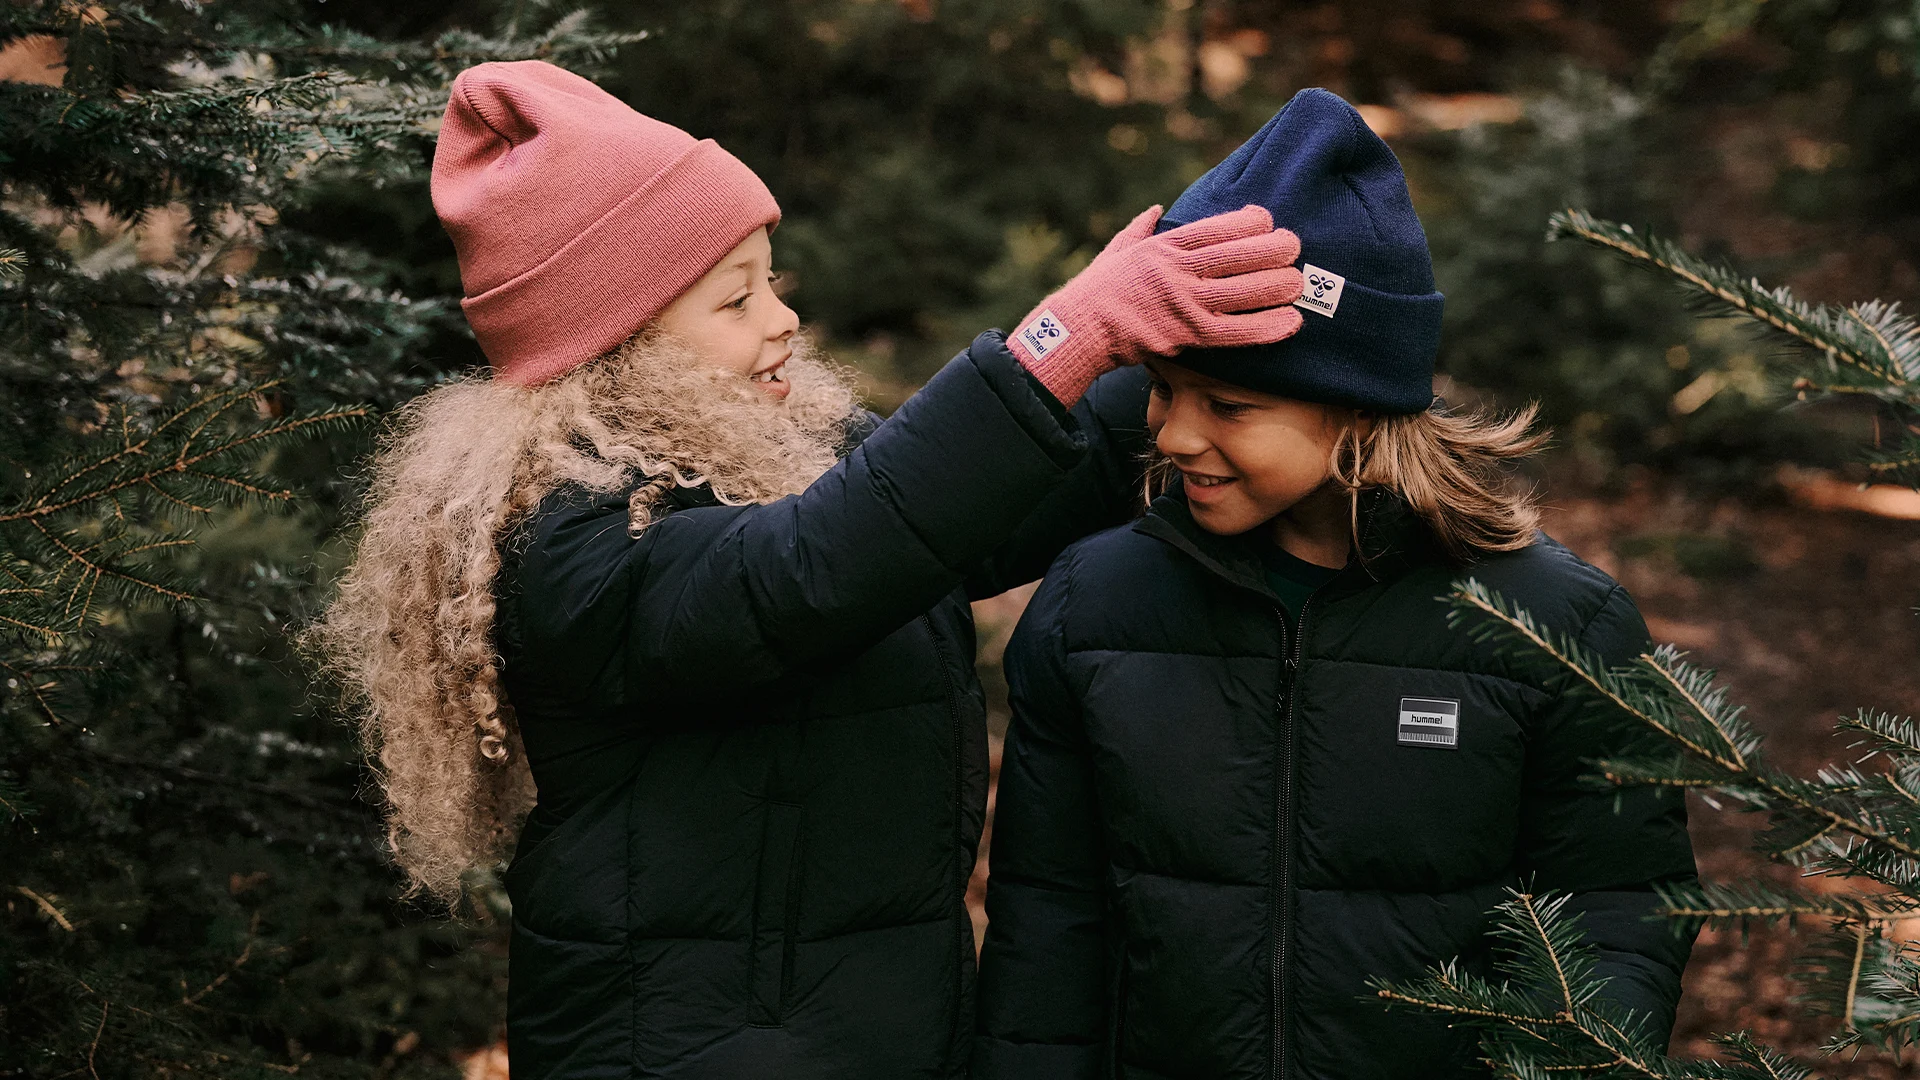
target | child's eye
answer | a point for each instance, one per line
(1228, 410)
(741, 304)
(1159, 389)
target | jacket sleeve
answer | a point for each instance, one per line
(722, 599)
(1102, 491)
(1608, 847)
(1043, 967)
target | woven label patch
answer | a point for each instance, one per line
(1323, 290)
(1431, 722)
(1044, 334)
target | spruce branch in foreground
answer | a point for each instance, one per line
(1855, 823)
(1547, 1016)
(1870, 348)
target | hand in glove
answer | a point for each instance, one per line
(1223, 280)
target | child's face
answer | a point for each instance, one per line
(1245, 456)
(733, 316)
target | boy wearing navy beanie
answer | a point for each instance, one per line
(1251, 766)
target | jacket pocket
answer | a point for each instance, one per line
(776, 913)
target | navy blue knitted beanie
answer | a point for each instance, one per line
(1372, 311)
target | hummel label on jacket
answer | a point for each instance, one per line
(1433, 722)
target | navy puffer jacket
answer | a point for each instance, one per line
(760, 746)
(1211, 829)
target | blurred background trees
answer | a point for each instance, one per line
(190, 881)
(208, 198)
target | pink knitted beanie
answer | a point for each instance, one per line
(577, 219)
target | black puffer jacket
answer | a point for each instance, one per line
(760, 746)
(1210, 831)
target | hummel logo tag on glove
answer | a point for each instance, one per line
(1044, 334)
(1433, 722)
(1323, 290)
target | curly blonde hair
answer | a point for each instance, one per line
(409, 634)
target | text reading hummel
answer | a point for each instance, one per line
(1433, 722)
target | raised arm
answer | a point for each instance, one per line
(718, 598)
(1610, 847)
(734, 598)
(1044, 969)
(1229, 272)
(1101, 491)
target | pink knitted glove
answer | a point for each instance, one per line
(1223, 280)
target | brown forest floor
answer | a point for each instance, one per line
(1808, 614)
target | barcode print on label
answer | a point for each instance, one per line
(1432, 722)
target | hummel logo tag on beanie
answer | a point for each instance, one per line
(1044, 334)
(1430, 722)
(1322, 293)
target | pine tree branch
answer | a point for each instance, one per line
(1872, 339)
(1885, 732)
(94, 571)
(1744, 902)
(46, 905)
(1649, 691)
(1470, 595)
(1569, 1029)
(1853, 977)
(1768, 1064)
(1687, 691)
(185, 457)
(24, 678)
(1539, 931)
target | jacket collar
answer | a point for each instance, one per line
(1393, 541)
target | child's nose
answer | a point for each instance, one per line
(1178, 437)
(786, 322)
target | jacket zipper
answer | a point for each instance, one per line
(959, 771)
(1283, 831)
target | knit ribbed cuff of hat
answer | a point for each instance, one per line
(569, 309)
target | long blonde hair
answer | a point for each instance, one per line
(409, 634)
(1453, 469)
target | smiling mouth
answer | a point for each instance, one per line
(1202, 480)
(772, 376)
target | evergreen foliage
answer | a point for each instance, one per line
(1867, 349)
(220, 211)
(1855, 827)
(189, 879)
